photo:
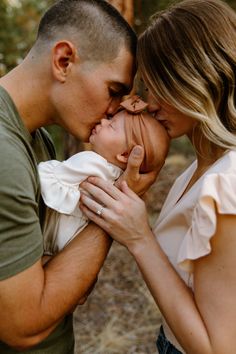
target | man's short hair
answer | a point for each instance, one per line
(94, 26)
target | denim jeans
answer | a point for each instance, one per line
(164, 346)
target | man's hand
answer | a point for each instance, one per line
(139, 183)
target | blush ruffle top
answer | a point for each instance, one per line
(186, 224)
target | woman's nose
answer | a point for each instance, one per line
(153, 104)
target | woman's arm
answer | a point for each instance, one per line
(203, 322)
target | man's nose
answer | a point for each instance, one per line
(113, 106)
(104, 122)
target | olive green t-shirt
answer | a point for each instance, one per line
(22, 210)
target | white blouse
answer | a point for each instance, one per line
(60, 190)
(186, 224)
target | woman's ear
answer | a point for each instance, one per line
(63, 57)
(123, 157)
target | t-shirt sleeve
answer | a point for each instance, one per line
(217, 195)
(20, 231)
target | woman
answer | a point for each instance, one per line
(187, 59)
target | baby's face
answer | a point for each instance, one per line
(108, 138)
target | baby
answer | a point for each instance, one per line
(111, 142)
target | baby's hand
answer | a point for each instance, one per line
(139, 183)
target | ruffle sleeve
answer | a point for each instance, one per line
(217, 195)
(60, 181)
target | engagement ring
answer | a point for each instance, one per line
(99, 211)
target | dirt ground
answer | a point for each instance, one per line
(120, 317)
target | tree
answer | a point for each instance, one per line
(18, 27)
(126, 8)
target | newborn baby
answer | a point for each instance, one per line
(111, 143)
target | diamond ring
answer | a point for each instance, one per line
(99, 211)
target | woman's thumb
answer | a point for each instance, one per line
(136, 157)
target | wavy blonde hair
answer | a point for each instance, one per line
(187, 57)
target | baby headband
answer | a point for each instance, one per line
(142, 129)
(134, 105)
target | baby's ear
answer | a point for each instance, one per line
(123, 157)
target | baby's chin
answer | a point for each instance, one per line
(90, 139)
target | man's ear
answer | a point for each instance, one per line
(63, 57)
(123, 157)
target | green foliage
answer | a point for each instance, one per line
(182, 146)
(18, 27)
(19, 21)
(145, 9)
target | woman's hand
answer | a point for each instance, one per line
(139, 183)
(121, 213)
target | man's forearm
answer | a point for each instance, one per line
(75, 269)
(46, 294)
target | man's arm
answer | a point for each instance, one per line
(34, 301)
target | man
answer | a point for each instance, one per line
(80, 66)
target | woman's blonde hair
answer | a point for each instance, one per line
(187, 57)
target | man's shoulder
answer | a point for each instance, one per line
(17, 167)
(11, 143)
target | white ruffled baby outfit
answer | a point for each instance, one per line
(60, 190)
(186, 224)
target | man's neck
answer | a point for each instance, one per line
(29, 93)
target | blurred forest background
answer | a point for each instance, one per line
(120, 316)
(18, 27)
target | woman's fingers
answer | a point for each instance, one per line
(128, 191)
(124, 218)
(131, 174)
(92, 213)
(134, 162)
(101, 190)
(139, 183)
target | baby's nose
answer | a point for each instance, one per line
(104, 121)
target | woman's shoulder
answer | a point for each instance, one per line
(215, 195)
(219, 182)
(225, 164)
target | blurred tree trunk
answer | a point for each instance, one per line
(126, 8)
(72, 145)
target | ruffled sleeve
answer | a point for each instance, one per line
(60, 181)
(217, 195)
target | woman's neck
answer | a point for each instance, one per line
(206, 151)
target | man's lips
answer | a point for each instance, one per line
(93, 131)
